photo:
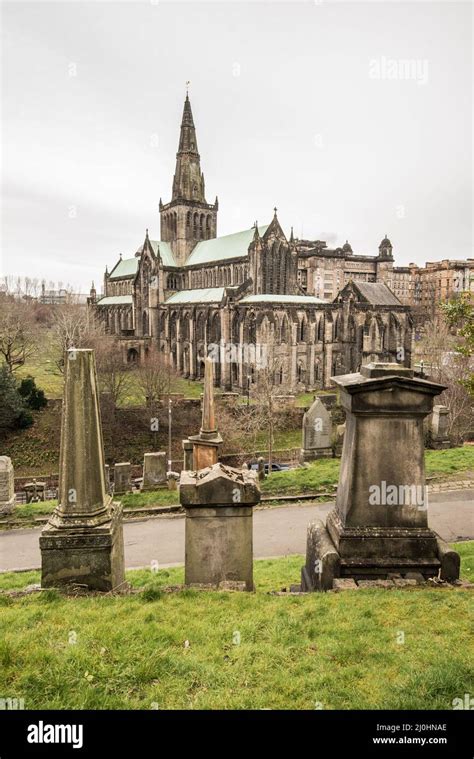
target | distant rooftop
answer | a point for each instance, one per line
(377, 293)
(304, 300)
(164, 249)
(126, 267)
(200, 295)
(116, 300)
(223, 248)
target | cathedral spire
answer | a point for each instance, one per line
(188, 181)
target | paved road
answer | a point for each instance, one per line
(277, 531)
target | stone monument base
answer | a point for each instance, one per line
(91, 556)
(6, 507)
(219, 545)
(372, 553)
(440, 445)
(312, 454)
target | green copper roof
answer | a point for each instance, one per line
(304, 300)
(201, 295)
(223, 248)
(116, 300)
(166, 254)
(126, 267)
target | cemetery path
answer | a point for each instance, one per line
(278, 531)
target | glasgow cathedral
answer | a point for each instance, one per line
(316, 311)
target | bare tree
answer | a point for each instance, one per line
(446, 365)
(154, 378)
(437, 341)
(114, 379)
(17, 332)
(267, 386)
(74, 327)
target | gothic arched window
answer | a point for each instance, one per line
(320, 334)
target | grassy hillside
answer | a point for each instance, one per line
(325, 472)
(35, 451)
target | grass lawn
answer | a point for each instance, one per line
(244, 651)
(162, 497)
(42, 366)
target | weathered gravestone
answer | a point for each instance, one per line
(154, 470)
(122, 478)
(439, 438)
(83, 540)
(7, 485)
(219, 503)
(380, 524)
(318, 429)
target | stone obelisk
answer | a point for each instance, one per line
(206, 444)
(83, 540)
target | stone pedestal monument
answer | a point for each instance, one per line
(7, 485)
(83, 540)
(219, 503)
(379, 525)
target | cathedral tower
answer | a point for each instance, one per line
(188, 218)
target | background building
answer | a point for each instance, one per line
(255, 298)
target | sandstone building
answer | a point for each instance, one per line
(312, 312)
(438, 282)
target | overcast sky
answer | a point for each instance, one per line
(304, 105)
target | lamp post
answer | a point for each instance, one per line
(169, 434)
